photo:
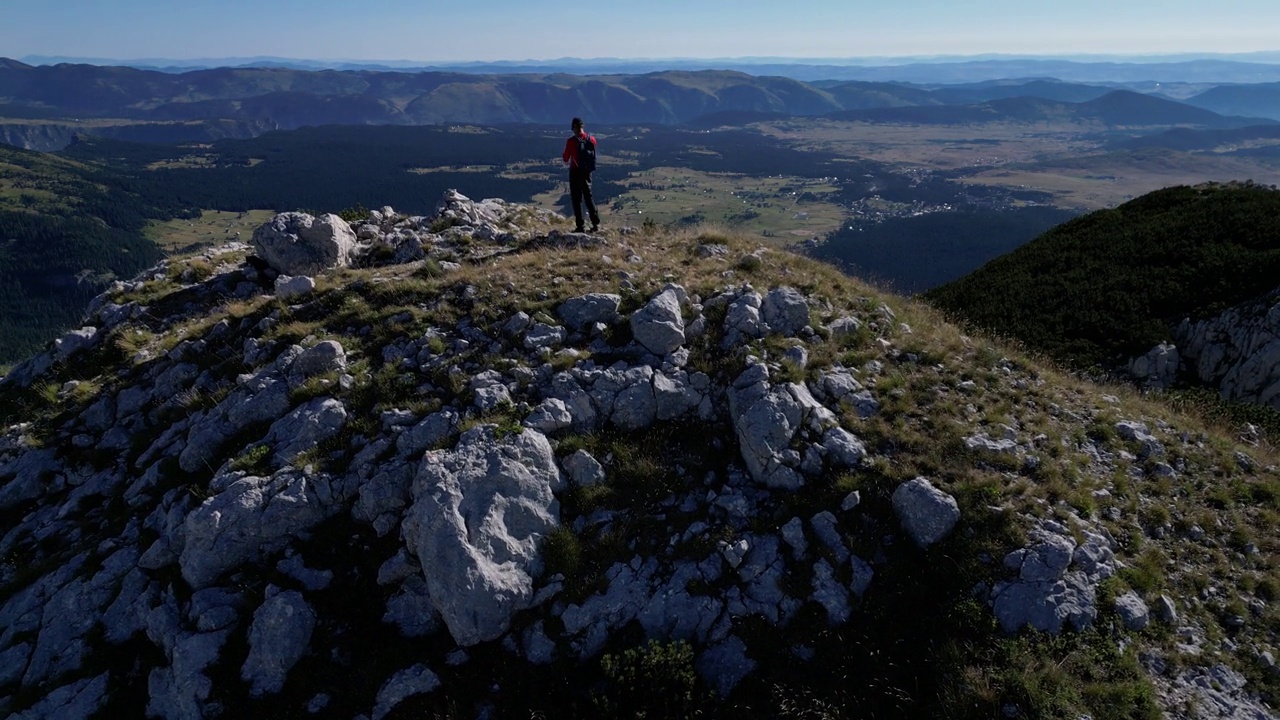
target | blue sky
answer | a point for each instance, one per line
(430, 30)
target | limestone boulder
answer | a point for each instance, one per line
(296, 243)
(926, 513)
(477, 523)
(658, 326)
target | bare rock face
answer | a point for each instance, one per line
(480, 513)
(299, 244)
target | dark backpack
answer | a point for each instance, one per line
(586, 154)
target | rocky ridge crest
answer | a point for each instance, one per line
(487, 438)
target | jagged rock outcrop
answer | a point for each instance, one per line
(1057, 581)
(1238, 351)
(1158, 368)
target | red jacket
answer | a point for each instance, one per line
(571, 148)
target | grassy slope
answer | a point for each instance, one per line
(919, 645)
(1106, 286)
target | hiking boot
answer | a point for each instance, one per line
(579, 229)
(595, 227)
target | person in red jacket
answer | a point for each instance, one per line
(580, 156)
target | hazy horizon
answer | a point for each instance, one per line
(539, 31)
(1259, 56)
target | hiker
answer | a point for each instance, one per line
(580, 155)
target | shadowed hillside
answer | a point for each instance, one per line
(1110, 285)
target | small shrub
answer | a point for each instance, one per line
(253, 460)
(441, 224)
(355, 213)
(562, 551)
(655, 681)
(750, 263)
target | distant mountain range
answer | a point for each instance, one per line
(1213, 68)
(149, 105)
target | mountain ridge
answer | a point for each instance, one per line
(279, 98)
(481, 463)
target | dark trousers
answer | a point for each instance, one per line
(580, 190)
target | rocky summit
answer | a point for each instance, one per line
(470, 465)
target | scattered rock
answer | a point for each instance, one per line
(926, 513)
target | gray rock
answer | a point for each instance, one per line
(550, 416)
(765, 421)
(179, 691)
(214, 609)
(675, 395)
(743, 318)
(844, 327)
(311, 580)
(724, 665)
(1158, 368)
(844, 449)
(75, 341)
(982, 443)
(176, 379)
(582, 312)
(1057, 581)
(79, 700)
(1166, 610)
(926, 513)
(785, 311)
(517, 324)
(288, 287)
(488, 399)
(1132, 611)
(1137, 432)
(862, 575)
(659, 326)
(278, 639)
(480, 513)
(583, 469)
(30, 474)
(411, 609)
(793, 535)
(432, 432)
(538, 648)
(306, 427)
(248, 515)
(416, 680)
(829, 593)
(326, 357)
(827, 528)
(1047, 605)
(13, 662)
(542, 335)
(299, 244)
(383, 496)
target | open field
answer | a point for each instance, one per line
(787, 208)
(1105, 180)
(213, 228)
(937, 147)
(1068, 160)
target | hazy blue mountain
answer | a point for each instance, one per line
(1118, 108)
(1185, 67)
(1260, 100)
